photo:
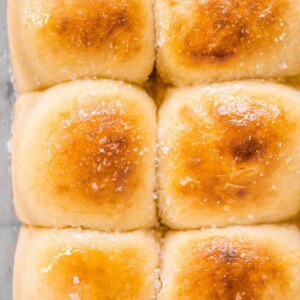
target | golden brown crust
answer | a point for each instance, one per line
(225, 40)
(94, 26)
(238, 263)
(79, 264)
(218, 30)
(93, 273)
(93, 151)
(218, 268)
(227, 152)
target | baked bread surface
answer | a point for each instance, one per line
(259, 262)
(229, 154)
(57, 41)
(84, 155)
(77, 264)
(221, 40)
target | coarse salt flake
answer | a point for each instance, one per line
(76, 280)
(165, 149)
(95, 186)
(186, 180)
(283, 66)
(74, 296)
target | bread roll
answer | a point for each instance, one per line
(220, 40)
(84, 155)
(229, 154)
(84, 265)
(57, 41)
(237, 263)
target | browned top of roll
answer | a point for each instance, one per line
(227, 148)
(95, 151)
(218, 30)
(229, 269)
(93, 273)
(93, 25)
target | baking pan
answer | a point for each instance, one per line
(8, 221)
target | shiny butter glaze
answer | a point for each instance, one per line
(94, 274)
